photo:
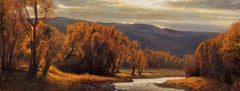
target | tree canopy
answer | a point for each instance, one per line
(100, 47)
(219, 57)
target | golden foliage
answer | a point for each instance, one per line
(218, 58)
(102, 48)
(160, 59)
(12, 32)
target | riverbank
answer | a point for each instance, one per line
(60, 81)
(196, 84)
(56, 80)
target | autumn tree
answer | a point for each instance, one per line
(161, 59)
(132, 56)
(19, 20)
(208, 58)
(39, 9)
(231, 52)
(141, 61)
(218, 58)
(188, 60)
(49, 43)
(11, 32)
(99, 47)
(121, 57)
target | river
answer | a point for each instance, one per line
(145, 85)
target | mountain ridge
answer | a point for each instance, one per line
(150, 36)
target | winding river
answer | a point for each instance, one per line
(145, 85)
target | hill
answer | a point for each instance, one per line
(149, 36)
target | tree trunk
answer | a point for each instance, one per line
(7, 56)
(110, 66)
(113, 69)
(3, 44)
(3, 62)
(139, 67)
(118, 69)
(33, 70)
(118, 66)
(71, 52)
(11, 54)
(133, 70)
(2, 35)
(4, 52)
(89, 67)
(46, 68)
(140, 71)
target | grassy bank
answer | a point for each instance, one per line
(197, 84)
(57, 80)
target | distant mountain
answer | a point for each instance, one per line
(149, 36)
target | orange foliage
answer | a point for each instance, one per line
(218, 58)
(12, 31)
(162, 59)
(19, 29)
(101, 48)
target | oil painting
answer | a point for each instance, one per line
(119, 45)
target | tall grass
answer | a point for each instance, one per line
(56, 80)
(198, 84)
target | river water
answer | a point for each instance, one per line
(145, 85)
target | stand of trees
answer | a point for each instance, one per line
(25, 37)
(21, 28)
(219, 58)
(11, 30)
(136, 57)
(101, 48)
(160, 59)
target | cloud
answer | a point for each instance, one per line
(62, 6)
(216, 4)
(187, 15)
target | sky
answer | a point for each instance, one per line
(184, 15)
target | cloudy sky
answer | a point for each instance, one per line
(185, 15)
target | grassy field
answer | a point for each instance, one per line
(198, 84)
